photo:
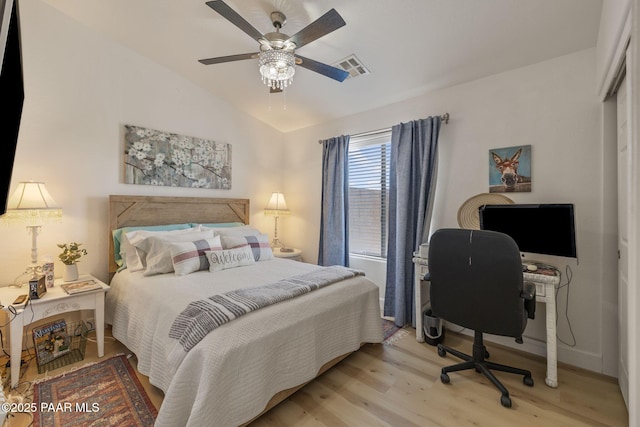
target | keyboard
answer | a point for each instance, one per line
(541, 278)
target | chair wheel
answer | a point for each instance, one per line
(486, 354)
(505, 401)
(444, 378)
(441, 352)
(528, 381)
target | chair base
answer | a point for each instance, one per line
(478, 362)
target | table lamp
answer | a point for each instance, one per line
(276, 207)
(31, 203)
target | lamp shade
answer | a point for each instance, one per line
(31, 201)
(277, 206)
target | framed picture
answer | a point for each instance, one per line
(510, 169)
(153, 157)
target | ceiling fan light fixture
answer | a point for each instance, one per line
(277, 67)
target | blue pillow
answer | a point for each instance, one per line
(117, 236)
(220, 224)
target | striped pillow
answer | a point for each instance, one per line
(188, 257)
(259, 245)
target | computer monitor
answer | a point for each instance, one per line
(12, 93)
(547, 229)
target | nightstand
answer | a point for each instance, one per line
(55, 301)
(296, 255)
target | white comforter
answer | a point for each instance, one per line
(229, 377)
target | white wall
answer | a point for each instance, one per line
(551, 105)
(81, 88)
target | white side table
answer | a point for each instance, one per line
(54, 302)
(295, 255)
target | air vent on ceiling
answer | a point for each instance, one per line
(352, 65)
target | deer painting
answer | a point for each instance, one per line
(508, 169)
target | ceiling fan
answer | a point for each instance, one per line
(277, 55)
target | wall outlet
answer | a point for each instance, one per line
(90, 322)
(88, 318)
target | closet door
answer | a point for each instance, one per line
(623, 109)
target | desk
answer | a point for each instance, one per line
(545, 292)
(54, 302)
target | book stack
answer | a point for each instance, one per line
(82, 286)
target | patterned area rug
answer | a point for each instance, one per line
(391, 332)
(106, 393)
(388, 328)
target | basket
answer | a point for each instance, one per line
(77, 333)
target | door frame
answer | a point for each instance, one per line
(630, 39)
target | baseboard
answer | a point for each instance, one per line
(530, 345)
(570, 356)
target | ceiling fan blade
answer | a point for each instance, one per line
(324, 69)
(232, 16)
(322, 26)
(229, 58)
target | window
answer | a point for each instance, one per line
(368, 193)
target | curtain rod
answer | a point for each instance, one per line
(444, 118)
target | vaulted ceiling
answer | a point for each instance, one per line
(410, 46)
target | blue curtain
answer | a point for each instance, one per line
(334, 214)
(411, 182)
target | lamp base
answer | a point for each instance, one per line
(276, 243)
(31, 272)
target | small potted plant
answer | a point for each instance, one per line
(71, 254)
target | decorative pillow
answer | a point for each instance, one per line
(120, 232)
(188, 257)
(229, 258)
(158, 250)
(245, 230)
(135, 254)
(259, 245)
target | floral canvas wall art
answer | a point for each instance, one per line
(154, 157)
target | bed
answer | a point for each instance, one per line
(246, 366)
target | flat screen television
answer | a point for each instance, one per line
(547, 229)
(11, 93)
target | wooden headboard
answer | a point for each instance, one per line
(129, 211)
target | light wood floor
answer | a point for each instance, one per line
(399, 385)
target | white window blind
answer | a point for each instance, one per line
(368, 193)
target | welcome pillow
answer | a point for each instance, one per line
(229, 258)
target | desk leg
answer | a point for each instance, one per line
(417, 296)
(16, 347)
(552, 343)
(100, 322)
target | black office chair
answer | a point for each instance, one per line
(476, 282)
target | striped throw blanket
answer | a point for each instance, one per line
(203, 316)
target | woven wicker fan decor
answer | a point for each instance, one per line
(468, 213)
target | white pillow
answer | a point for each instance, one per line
(244, 230)
(188, 257)
(259, 244)
(229, 258)
(134, 255)
(158, 249)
